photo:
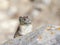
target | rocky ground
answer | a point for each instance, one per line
(45, 35)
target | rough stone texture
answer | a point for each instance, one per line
(45, 35)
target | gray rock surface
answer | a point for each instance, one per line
(46, 35)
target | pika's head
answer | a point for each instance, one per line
(24, 20)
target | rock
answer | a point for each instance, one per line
(45, 35)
